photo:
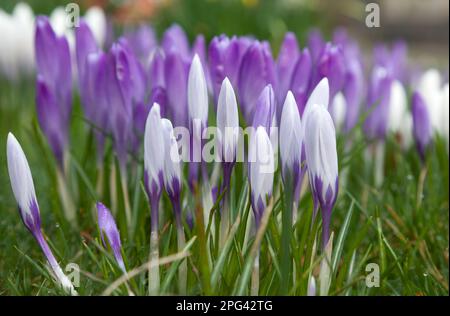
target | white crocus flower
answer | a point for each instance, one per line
(291, 137)
(261, 171)
(322, 161)
(154, 151)
(23, 189)
(172, 168)
(430, 89)
(197, 92)
(338, 110)
(96, 20)
(227, 122)
(397, 107)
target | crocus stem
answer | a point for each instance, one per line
(182, 270)
(126, 199)
(225, 215)
(66, 200)
(100, 179)
(254, 288)
(202, 242)
(326, 217)
(153, 273)
(113, 188)
(379, 163)
(420, 186)
(57, 271)
(325, 268)
(286, 233)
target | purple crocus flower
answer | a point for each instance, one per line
(331, 65)
(265, 109)
(49, 115)
(199, 48)
(322, 161)
(285, 66)
(393, 60)
(176, 71)
(92, 79)
(261, 172)
(23, 189)
(142, 41)
(154, 157)
(379, 95)
(54, 82)
(119, 96)
(257, 71)
(422, 129)
(225, 57)
(291, 145)
(315, 44)
(108, 228)
(175, 39)
(157, 81)
(85, 45)
(301, 79)
(353, 88)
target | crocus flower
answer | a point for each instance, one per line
(108, 228)
(156, 80)
(338, 110)
(198, 115)
(50, 119)
(142, 41)
(199, 48)
(96, 19)
(118, 88)
(265, 114)
(225, 57)
(154, 156)
(354, 83)
(429, 87)
(301, 79)
(320, 95)
(398, 107)
(379, 96)
(261, 172)
(91, 64)
(227, 125)
(175, 39)
(422, 128)
(17, 54)
(54, 82)
(85, 45)
(23, 188)
(176, 71)
(285, 66)
(291, 143)
(321, 158)
(331, 64)
(394, 60)
(257, 71)
(445, 115)
(96, 106)
(316, 43)
(172, 168)
(197, 93)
